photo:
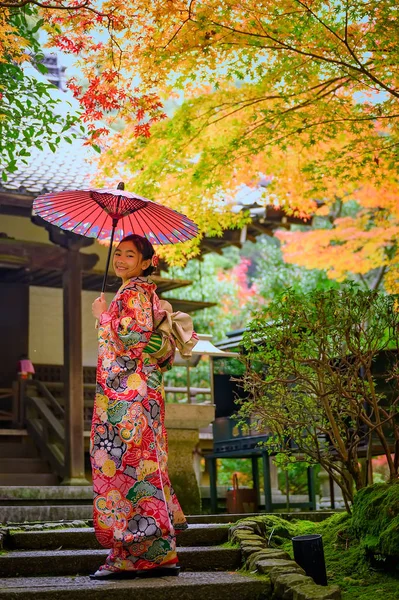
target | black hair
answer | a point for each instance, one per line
(145, 248)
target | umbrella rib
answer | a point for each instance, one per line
(106, 217)
(86, 217)
(55, 209)
(130, 221)
(156, 220)
(142, 216)
(175, 220)
(93, 221)
(180, 226)
(70, 199)
(175, 217)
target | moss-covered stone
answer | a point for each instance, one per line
(376, 519)
(286, 582)
(292, 569)
(250, 564)
(241, 536)
(264, 555)
(316, 592)
(266, 565)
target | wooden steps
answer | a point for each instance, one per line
(20, 464)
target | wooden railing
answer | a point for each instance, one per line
(44, 418)
(40, 408)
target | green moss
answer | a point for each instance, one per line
(376, 519)
(345, 550)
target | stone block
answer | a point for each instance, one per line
(253, 558)
(181, 469)
(264, 566)
(262, 555)
(284, 584)
(240, 527)
(248, 551)
(246, 535)
(316, 592)
(277, 571)
(241, 538)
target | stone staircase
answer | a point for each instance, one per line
(20, 464)
(50, 562)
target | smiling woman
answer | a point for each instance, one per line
(136, 512)
(133, 258)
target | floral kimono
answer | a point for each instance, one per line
(136, 512)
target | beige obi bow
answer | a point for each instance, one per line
(179, 325)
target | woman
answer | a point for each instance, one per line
(136, 513)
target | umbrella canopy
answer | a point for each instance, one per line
(112, 214)
(94, 213)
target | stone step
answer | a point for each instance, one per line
(37, 479)
(21, 513)
(51, 493)
(23, 466)
(42, 512)
(314, 516)
(72, 562)
(83, 538)
(188, 586)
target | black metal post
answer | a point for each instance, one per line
(213, 484)
(309, 554)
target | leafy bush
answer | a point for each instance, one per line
(311, 381)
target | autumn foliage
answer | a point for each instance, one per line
(303, 91)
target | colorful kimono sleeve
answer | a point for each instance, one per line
(132, 325)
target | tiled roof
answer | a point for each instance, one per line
(67, 168)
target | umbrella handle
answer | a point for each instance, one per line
(114, 224)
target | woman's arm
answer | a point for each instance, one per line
(131, 324)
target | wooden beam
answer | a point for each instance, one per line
(35, 255)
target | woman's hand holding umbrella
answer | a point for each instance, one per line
(99, 306)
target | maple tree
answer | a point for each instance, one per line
(267, 74)
(265, 85)
(284, 68)
(303, 92)
(314, 380)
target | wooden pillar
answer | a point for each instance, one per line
(267, 485)
(73, 371)
(255, 479)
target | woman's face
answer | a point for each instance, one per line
(128, 262)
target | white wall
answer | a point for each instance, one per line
(46, 327)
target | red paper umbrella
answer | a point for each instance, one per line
(112, 214)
